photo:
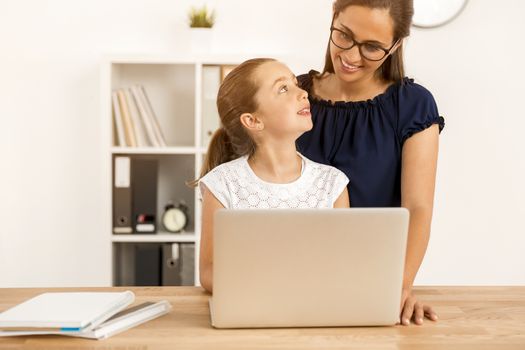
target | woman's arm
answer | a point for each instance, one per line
(343, 201)
(418, 177)
(209, 205)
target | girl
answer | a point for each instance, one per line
(377, 126)
(252, 160)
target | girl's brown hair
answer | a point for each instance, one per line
(401, 12)
(236, 96)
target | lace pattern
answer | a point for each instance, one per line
(236, 186)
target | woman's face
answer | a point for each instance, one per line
(364, 25)
(284, 109)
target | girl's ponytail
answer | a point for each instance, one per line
(220, 151)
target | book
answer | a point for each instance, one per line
(120, 141)
(127, 319)
(146, 121)
(129, 130)
(64, 312)
(117, 323)
(153, 117)
(135, 119)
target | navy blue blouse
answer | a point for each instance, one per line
(364, 139)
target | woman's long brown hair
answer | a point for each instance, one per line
(236, 96)
(401, 12)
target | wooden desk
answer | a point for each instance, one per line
(470, 318)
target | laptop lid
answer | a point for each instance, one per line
(308, 267)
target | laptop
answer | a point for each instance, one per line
(308, 267)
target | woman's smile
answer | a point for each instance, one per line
(348, 67)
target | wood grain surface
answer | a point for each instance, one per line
(469, 318)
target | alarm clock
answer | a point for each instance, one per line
(175, 218)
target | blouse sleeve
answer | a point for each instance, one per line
(340, 181)
(215, 183)
(417, 111)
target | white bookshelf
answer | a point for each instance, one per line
(156, 150)
(156, 238)
(183, 97)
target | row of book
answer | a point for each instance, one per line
(135, 122)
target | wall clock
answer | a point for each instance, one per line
(435, 13)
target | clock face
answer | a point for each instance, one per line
(174, 220)
(434, 13)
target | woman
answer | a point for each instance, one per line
(377, 126)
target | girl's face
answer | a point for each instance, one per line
(284, 109)
(371, 26)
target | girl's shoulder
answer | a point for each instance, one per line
(327, 179)
(322, 170)
(220, 179)
(227, 169)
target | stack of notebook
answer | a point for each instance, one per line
(94, 315)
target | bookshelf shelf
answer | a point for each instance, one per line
(155, 150)
(181, 91)
(160, 237)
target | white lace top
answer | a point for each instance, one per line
(236, 186)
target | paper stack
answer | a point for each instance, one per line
(94, 315)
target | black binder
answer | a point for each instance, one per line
(144, 193)
(147, 264)
(122, 196)
(178, 264)
(171, 265)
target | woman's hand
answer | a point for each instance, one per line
(412, 309)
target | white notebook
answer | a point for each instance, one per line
(127, 319)
(120, 322)
(65, 312)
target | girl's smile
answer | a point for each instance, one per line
(305, 112)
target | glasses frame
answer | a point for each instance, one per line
(359, 44)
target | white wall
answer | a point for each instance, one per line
(474, 67)
(51, 173)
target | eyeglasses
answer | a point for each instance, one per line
(369, 51)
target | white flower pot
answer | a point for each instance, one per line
(201, 40)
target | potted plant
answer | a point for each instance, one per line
(201, 21)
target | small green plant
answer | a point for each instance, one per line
(201, 17)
